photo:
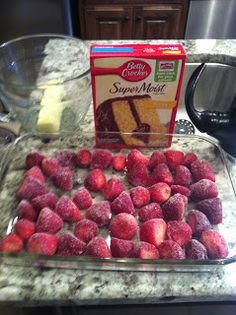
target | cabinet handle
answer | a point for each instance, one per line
(126, 18)
(138, 18)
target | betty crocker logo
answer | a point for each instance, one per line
(135, 70)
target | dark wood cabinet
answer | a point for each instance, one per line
(160, 19)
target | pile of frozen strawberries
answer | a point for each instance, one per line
(167, 212)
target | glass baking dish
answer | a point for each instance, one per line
(12, 167)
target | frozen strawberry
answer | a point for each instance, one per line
(137, 174)
(212, 208)
(174, 208)
(30, 188)
(84, 158)
(123, 203)
(35, 172)
(50, 166)
(119, 162)
(97, 247)
(68, 210)
(34, 159)
(95, 180)
(24, 229)
(174, 158)
(48, 221)
(161, 173)
(145, 250)
(178, 189)
(140, 196)
(195, 250)
(123, 226)
(134, 157)
(201, 169)
(99, 212)
(179, 231)
(215, 244)
(82, 198)
(43, 244)
(189, 158)
(25, 210)
(101, 158)
(67, 158)
(112, 189)
(63, 178)
(70, 245)
(153, 231)
(198, 222)
(171, 250)
(160, 192)
(121, 248)
(204, 189)
(151, 211)
(86, 229)
(156, 158)
(182, 176)
(11, 244)
(47, 200)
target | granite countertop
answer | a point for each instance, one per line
(34, 286)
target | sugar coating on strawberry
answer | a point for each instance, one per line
(215, 244)
(144, 250)
(97, 247)
(179, 231)
(112, 189)
(174, 208)
(70, 245)
(31, 188)
(34, 159)
(68, 210)
(11, 243)
(123, 204)
(67, 158)
(63, 178)
(49, 221)
(182, 176)
(99, 212)
(119, 162)
(84, 158)
(161, 173)
(134, 157)
(178, 189)
(202, 169)
(189, 158)
(212, 208)
(204, 189)
(123, 226)
(95, 180)
(86, 229)
(101, 158)
(24, 229)
(171, 250)
(137, 174)
(36, 172)
(50, 166)
(156, 158)
(121, 248)
(198, 222)
(25, 210)
(153, 231)
(82, 198)
(195, 250)
(151, 211)
(47, 200)
(160, 192)
(140, 196)
(42, 243)
(174, 158)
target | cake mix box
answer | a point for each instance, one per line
(136, 90)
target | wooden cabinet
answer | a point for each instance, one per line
(160, 19)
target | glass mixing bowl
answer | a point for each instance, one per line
(45, 82)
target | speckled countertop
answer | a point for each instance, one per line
(36, 286)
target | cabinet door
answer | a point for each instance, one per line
(159, 21)
(107, 22)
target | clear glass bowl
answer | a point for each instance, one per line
(45, 70)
